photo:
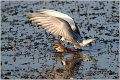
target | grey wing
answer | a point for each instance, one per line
(77, 33)
(52, 24)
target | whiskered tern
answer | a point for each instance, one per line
(59, 24)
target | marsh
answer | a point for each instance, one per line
(27, 51)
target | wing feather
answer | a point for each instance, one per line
(55, 25)
(62, 16)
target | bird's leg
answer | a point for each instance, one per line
(59, 39)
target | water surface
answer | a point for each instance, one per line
(27, 51)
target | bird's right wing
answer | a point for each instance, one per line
(52, 24)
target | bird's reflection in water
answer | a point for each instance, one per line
(70, 64)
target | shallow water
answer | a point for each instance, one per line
(27, 51)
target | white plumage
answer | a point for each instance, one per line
(59, 24)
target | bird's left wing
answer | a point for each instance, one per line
(52, 24)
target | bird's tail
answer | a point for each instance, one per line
(85, 42)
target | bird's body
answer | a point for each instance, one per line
(59, 24)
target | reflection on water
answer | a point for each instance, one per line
(70, 60)
(70, 64)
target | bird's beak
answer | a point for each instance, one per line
(85, 42)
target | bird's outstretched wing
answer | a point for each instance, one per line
(53, 24)
(62, 16)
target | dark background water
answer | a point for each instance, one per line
(27, 51)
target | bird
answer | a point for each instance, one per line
(59, 24)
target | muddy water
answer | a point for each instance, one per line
(27, 51)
